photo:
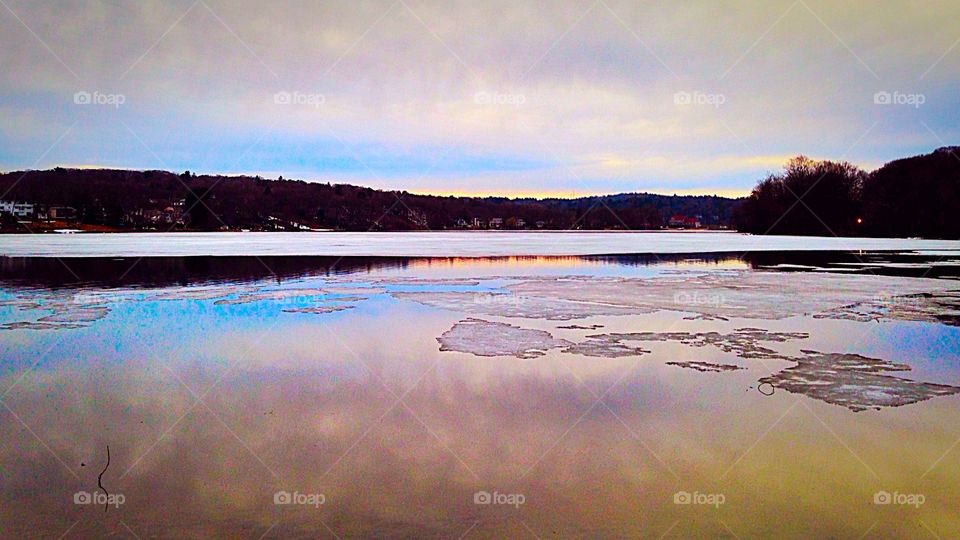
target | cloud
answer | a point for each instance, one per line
(579, 90)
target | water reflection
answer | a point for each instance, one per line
(211, 410)
(166, 271)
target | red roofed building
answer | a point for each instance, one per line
(681, 221)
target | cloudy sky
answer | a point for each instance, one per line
(521, 97)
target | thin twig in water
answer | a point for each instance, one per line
(106, 505)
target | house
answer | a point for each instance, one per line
(150, 217)
(496, 223)
(677, 220)
(691, 223)
(64, 213)
(541, 224)
(418, 218)
(169, 215)
(521, 223)
(17, 209)
(461, 223)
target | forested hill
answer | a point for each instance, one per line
(160, 200)
(917, 196)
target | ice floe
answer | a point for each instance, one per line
(849, 380)
(580, 327)
(53, 310)
(706, 366)
(746, 294)
(744, 342)
(511, 305)
(319, 310)
(278, 294)
(63, 311)
(943, 307)
(720, 295)
(854, 381)
(485, 338)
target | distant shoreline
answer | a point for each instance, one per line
(111, 200)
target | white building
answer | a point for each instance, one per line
(17, 209)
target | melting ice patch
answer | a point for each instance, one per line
(705, 366)
(485, 338)
(63, 311)
(744, 342)
(709, 296)
(854, 381)
(512, 305)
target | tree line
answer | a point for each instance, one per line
(118, 199)
(912, 197)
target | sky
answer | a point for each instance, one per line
(517, 98)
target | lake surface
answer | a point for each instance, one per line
(773, 393)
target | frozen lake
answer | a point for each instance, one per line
(438, 244)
